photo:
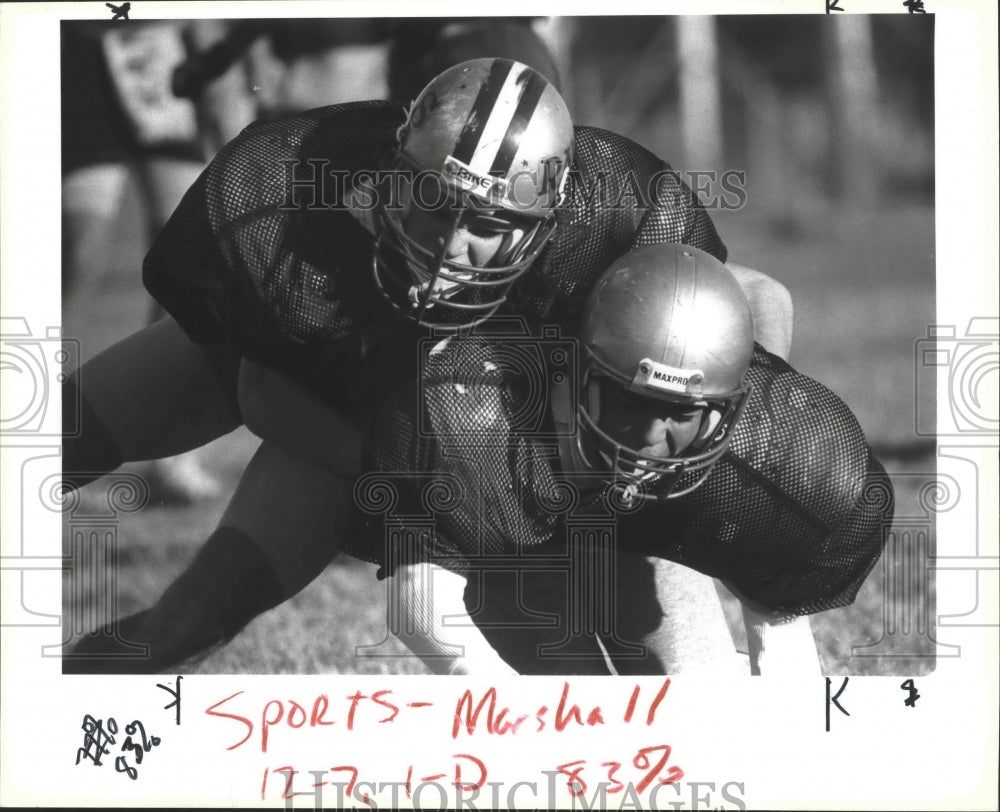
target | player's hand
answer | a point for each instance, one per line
(780, 648)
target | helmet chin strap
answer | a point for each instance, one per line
(638, 477)
(630, 493)
(593, 395)
(420, 293)
(572, 456)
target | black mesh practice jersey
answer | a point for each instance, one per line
(263, 254)
(793, 517)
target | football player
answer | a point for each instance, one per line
(680, 439)
(299, 270)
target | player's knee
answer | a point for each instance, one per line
(258, 402)
(279, 411)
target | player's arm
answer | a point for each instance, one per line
(428, 595)
(779, 646)
(771, 306)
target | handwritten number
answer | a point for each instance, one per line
(287, 792)
(617, 786)
(122, 766)
(574, 777)
(96, 741)
(147, 744)
(642, 762)
(135, 748)
(353, 779)
(352, 782)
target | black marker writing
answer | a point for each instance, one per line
(834, 701)
(915, 6)
(96, 739)
(138, 748)
(911, 700)
(119, 12)
(122, 766)
(177, 699)
(831, 5)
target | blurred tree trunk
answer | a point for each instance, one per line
(636, 78)
(700, 105)
(852, 80)
(559, 33)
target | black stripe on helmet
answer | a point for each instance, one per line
(530, 96)
(489, 92)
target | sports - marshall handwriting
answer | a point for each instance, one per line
(475, 714)
(270, 724)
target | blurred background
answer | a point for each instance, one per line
(823, 125)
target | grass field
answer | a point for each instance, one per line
(863, 288)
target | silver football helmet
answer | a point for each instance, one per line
(486, 147)
(666, 325)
